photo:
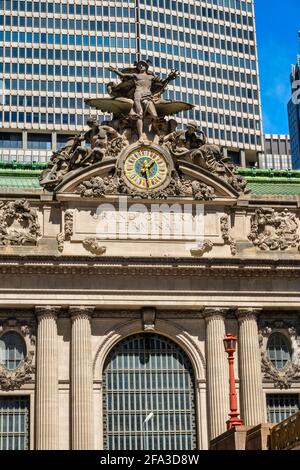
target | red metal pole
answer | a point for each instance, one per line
(234, 415)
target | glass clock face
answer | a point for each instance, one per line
(146, 169)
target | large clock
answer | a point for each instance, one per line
(146, 168)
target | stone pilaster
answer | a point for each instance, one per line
(47, 379)
(81, 379)
(252, 408)
(217, 372)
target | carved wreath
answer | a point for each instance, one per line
(271, 230)
(281, 378)
(14, 379)
(18, 223)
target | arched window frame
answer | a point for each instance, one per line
(276, 360)
(12, 364)
(11, 379)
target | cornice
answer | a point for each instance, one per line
(186, 267)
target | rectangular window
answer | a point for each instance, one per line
(14, 423)
(282, 406)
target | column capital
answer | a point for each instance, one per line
(81, 311)
(214, 313)
(47, 311)
(248, 313)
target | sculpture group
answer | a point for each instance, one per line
(139, 115)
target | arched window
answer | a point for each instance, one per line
(279, 350)
(149, 396)
(12, 350)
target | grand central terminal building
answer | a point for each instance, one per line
(124, 264)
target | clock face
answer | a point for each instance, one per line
(146, 169)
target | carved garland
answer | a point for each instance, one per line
(93, 245)
(271, 230)
(228, 240)
(179, 187)
(282, 378)
(14, 379)
(18, 223)
(68, 230)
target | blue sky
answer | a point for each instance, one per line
(277, 24)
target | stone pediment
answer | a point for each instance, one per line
(105, 179)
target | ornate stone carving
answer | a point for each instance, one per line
(14, 379)
(18, 223)
(205, 247)
(69, 220)
(148, 317)
(179, 186)
(139, 117)
(272, 230)
(94, 246)
(228, 240)
(282, 378)
(60, 237)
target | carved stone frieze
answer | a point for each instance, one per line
(98, 186)
(14, 379)
(18, 223)
(68, 225)
(272, 230)
(225, 231)
(94, 246)
(60, 237)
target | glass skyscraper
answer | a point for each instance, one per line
(56, 54)
(294, 114)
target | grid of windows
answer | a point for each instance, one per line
(144, 374)
(281, 406)
(55, 54)
(279, 350)
(14, 423)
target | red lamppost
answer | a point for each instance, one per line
(230, 347)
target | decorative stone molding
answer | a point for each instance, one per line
(14, 379)
(60, 237)
(272, 230)
(228, 240)
(94, 246)
(98, 186)
(281, 378)
(18, 223)
(148, 318)
(206, 247)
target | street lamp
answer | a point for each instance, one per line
(146, 420)
(230, 342)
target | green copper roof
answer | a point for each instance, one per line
(15, 175)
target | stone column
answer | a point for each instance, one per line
(216, 371)
(81, 379)
(252, 408)
(47, 379)
(243, 162)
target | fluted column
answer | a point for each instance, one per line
(81, 379)
(47, 379)
(252, 408)
(217, 372)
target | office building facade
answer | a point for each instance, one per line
(294, 114)
(56, 54)
(277, 153)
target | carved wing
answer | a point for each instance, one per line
(115, 106)
(166, 108)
